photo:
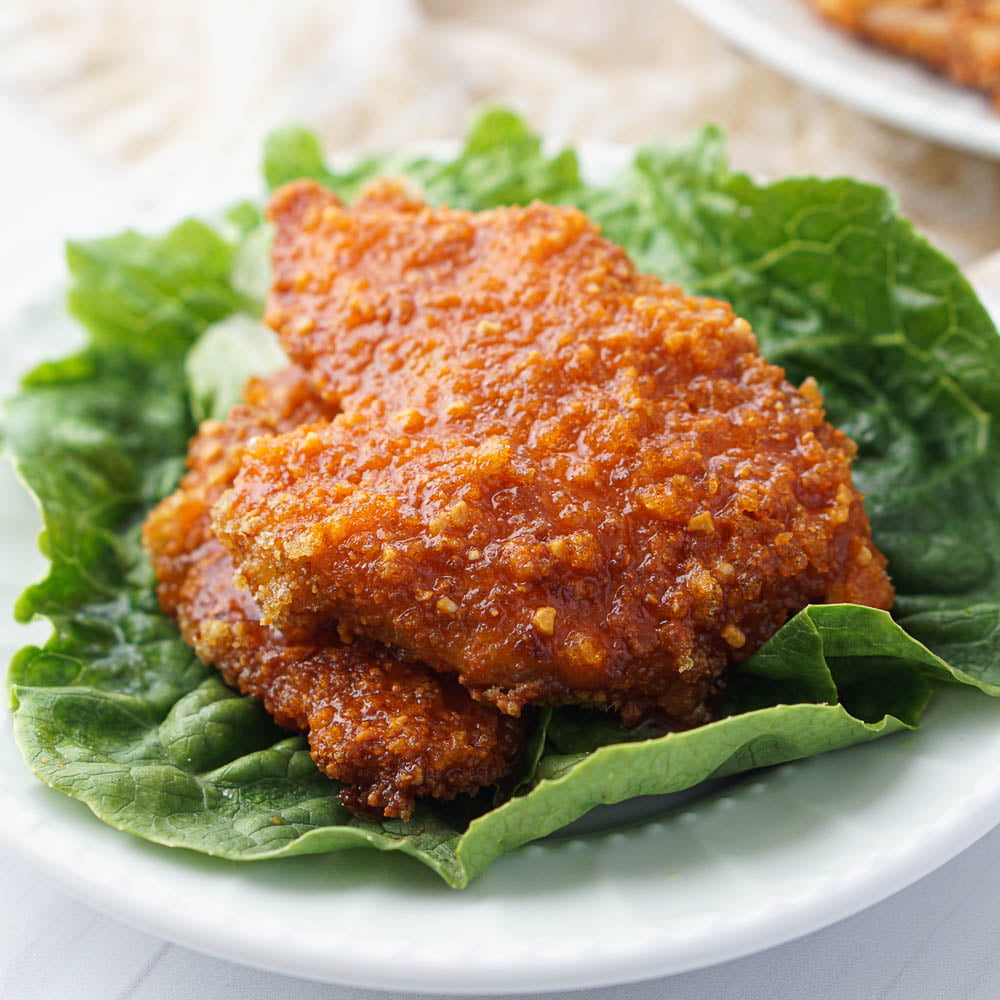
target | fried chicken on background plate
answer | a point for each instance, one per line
(559, 479)
(960, 38)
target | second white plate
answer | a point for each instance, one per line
(790, 36)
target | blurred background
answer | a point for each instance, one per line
(170, 100)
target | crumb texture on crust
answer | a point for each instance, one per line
(960, 38)
(393, 731)
(559, 478)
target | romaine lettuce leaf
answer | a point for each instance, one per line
(118, 712)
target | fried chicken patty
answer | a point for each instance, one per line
(960, 38)
(391, 730)
(559, 478)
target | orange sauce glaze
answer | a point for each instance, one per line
(563, 480)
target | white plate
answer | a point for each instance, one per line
(752, 863)
(791, 37)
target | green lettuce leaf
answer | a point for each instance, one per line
(116, 710)
(225, 356)
(502, 163)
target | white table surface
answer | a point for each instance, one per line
(938, 938)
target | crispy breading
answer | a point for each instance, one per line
(557, 477)
(392, 730)
(181, 524)
(960, 38)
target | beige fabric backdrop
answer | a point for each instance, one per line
(177, 94)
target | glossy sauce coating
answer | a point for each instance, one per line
(392, 730)
(561, 479)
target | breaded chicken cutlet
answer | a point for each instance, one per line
(959, 38)
(392, 730)
(560, 479)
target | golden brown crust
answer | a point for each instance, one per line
(392, 730)
(960, 38)
(559, 478)
(181, 523)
